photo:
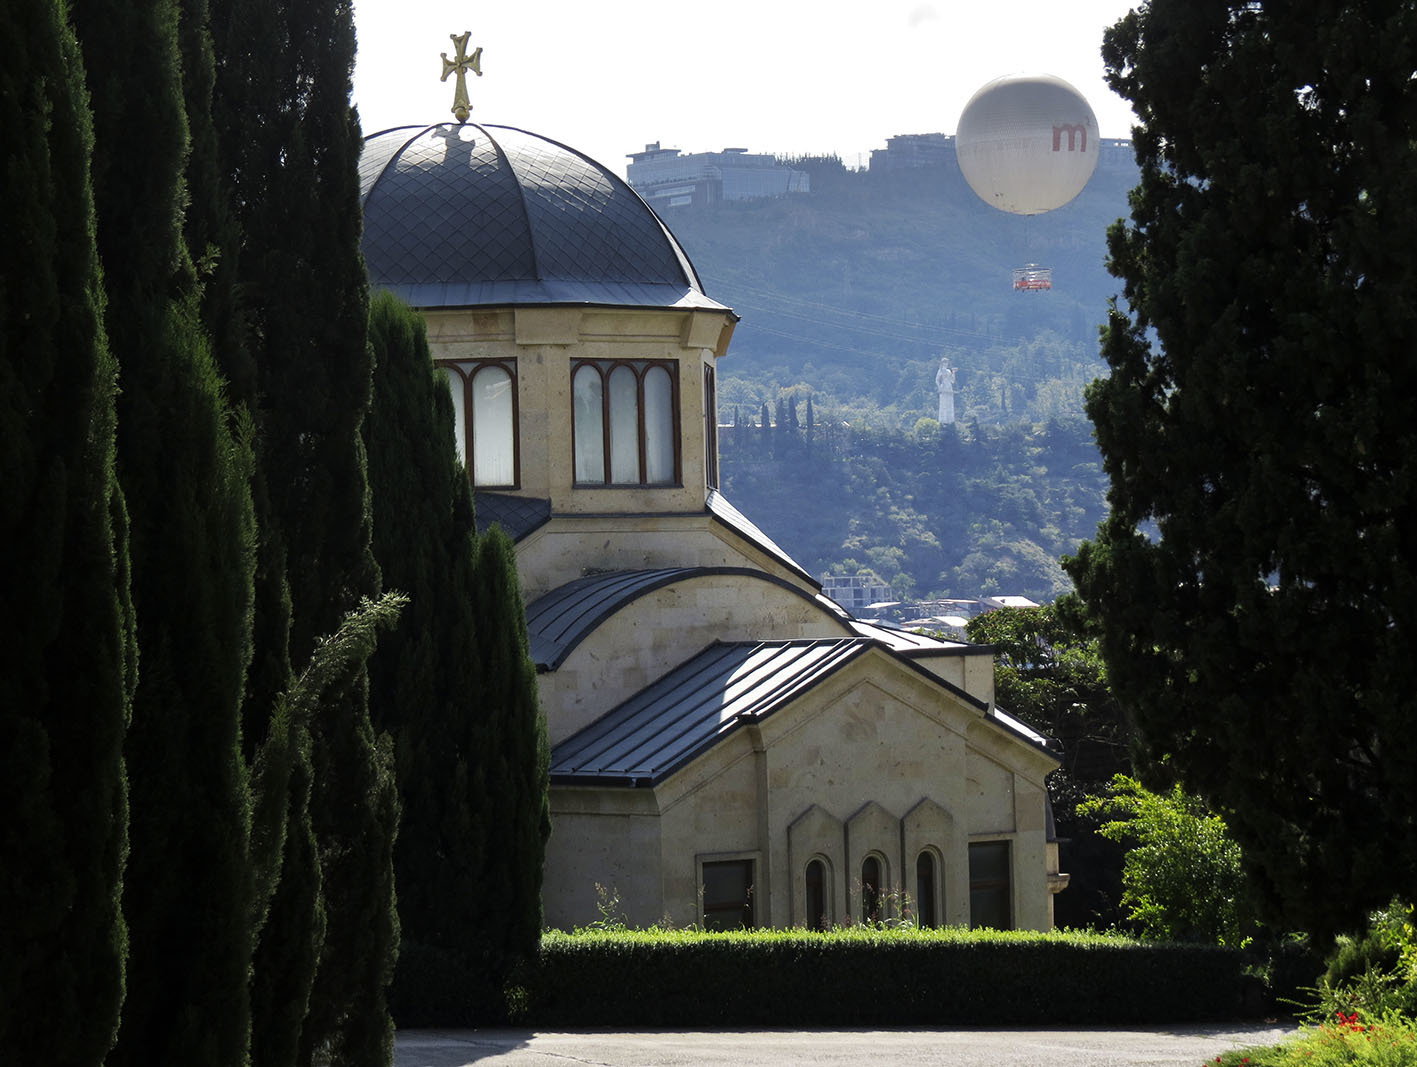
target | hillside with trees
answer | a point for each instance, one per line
(849, 297)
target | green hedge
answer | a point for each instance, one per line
(870, 978)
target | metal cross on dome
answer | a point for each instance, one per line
(460, 66)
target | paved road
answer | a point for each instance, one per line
(1180, 1046)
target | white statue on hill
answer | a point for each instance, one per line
(945, 383)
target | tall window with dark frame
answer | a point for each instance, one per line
(710, 430)
(484, 396)
(625, 422)
(818, 909)
(728, 895)
(925, 883)
(870, 890)
(990, 885)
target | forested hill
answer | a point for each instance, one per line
(854, 291)
(850, 295)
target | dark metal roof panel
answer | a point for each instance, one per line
(903, 641)
(719, 507)
(517, 515)
(686, 712)
(559, 620)
(472, 215)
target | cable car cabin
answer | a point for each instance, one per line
(1031, 277)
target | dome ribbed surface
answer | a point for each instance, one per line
(473, 215)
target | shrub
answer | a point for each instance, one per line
(1376, 973)
(1342, 1039)
(870, 977)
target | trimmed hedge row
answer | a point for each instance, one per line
(871, 978)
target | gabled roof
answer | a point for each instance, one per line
(560, 620)
(695, 706)
(908, 643)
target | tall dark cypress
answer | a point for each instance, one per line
(282, 104)
(516, 759)
(185, 478)
(66, 652)
(461, 790)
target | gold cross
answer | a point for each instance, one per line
(460, 66)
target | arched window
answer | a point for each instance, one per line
(589, 413)
(453, 379)
(925, 889)
(818, 905)
(659, 426)
(626, 422)
(870, 890)
(484, 394)
(493, 427)
(710, 430)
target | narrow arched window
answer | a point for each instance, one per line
(454, 381)
(659, 426)
(817, 915)
(925, 889)
(624, 427)
(493, 427)
(710, 430)
(588, 405)
(870, 890)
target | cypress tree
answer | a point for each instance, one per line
(251, 119)
(471, 776)
(283, 114)
(66, 651)
(186, 892)
(516, 759)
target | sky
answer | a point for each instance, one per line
(783, 77)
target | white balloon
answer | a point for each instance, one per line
(1027, 143)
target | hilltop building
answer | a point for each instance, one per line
(909, 150)
(667, 178)
(730, 746)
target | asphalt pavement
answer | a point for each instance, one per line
(1179, 1046)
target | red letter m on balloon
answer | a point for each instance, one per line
(1074, 131)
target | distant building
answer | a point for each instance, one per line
(667, 178)
(908, 150)
(856, 592)
(915, 150)
(993, 603)
(1115, 153)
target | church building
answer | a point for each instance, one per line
(729, 745)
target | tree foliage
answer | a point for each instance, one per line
(455, 689)
(185, 479)
(1184, 878)
(1254, 582)
(1051, 675)
(964, 511)
(66, 642)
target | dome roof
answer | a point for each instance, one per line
(471, 215)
